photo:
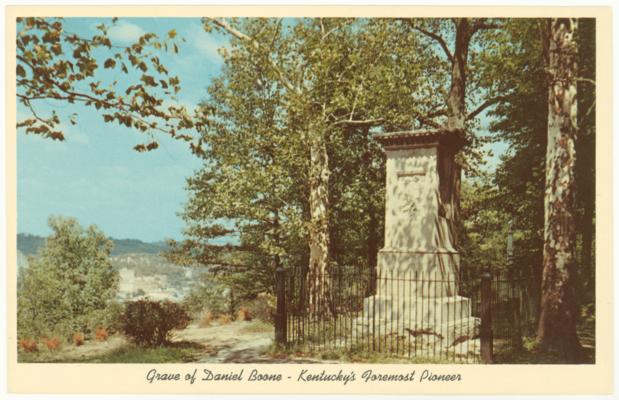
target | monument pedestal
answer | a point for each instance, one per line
(416, 277)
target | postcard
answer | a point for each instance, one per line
(280, 199)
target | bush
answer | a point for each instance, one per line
(78, 338)
(101, 334)
(262, 307)
(244, 314)
(211, 296)
(108, 319)
(224, 319)
(207, 318)
(52, 344)
(28, 345)
(149, 323)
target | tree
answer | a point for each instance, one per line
(70, 284)
(523, 71)
(253, 177)
(466, 84)
(317, 64)
(335, 79)
(56, 66)
(331, 105)
(559, 313)
(584, 172)
(518, 66)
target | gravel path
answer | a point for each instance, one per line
(236, 342)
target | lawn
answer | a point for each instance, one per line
(116, 350)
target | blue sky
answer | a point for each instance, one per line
(94, 175)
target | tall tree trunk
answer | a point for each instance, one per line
(372, 242)
(558, 314)
(318, 275)
(456, 105)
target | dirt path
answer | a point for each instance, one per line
(236, 342)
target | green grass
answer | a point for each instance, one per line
(354, 354)
(256, 326)
(180, 352)
(177, 353)
(534, 356)
(529, 354)
(138, 355)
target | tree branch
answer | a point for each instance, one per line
(485, 105)
(437, 113)
(324, 35)
(257, 47)
(437, 38)
(591, 108)
(429, 122)
(34, 113)
(481, 24)
(72, 95)
(586, 80)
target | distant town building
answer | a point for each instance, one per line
(126, 286)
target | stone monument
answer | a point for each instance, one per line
(416, 291)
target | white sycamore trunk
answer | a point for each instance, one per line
(557, 324)
(318, 274)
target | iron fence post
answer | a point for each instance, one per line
(280, 312)
(486, 319)
(515, 293)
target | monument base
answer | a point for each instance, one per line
(417, 300)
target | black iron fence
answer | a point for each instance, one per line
(425, 316)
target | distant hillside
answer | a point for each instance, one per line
(22, 260)
(30, 244)
(126, 246)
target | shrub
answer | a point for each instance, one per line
(262, 307)
(28, 345)
(211, 296)
(207, 318)
(101, 334)
(109, 318)
(78, 338)
(244, 314)
(224, 319)
(112, 321)
(52, 344)
(149, 323)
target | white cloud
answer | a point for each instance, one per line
(125, 32)
(209, 48)
(207, 44)
(79, 137)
